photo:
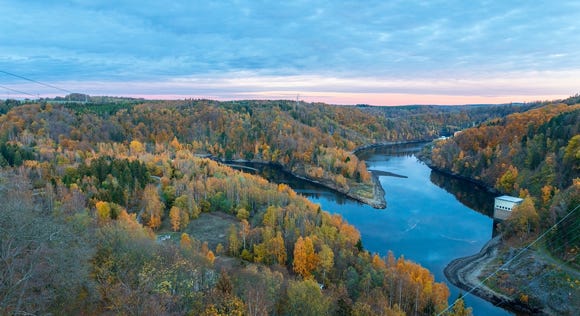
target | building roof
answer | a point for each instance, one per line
(510, 198)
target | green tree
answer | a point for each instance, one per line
(305, 298)
(507, 182)
(326, 257)
(233, 241)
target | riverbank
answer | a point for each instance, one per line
(427, 161)
(530, 281)
(465, 273)
(376, 201)
(386, 144)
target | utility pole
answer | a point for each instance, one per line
(297, 101)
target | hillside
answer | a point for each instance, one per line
(80, 236)
(531, 154)
(153, 226)
(534, 155)
(314, 141)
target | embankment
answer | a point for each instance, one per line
(465, 273)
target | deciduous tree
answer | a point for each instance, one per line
(305, 259)
(305, 298)
(175, 218)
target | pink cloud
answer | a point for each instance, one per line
(504, 88)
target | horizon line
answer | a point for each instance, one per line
(173, 97)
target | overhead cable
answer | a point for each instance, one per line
(35, 81)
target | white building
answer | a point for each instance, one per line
(504, 205)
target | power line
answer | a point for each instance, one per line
(17, 91)
(506, 264)
(542, 275)
(35, 81)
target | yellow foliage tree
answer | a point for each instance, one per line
(219, 249)
(242, 214)
(233, 241)
(326, 257)
(185, 241)
(459, 309)
(210, 256)
(378, 263)
(507, 182)
(152, 207)
(175, 218)
(136, 147)
(175, 143)
(103, 211)
(278, 248)
(523, 219)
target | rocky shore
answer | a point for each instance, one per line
(378, 201)
(465, 273)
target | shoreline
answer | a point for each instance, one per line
(479, 183)
(465, 272)
(387, 144)
(378, 201)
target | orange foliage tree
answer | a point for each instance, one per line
(305, 259)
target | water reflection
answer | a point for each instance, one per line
(309, 189)
(469, 194)
(400, 150)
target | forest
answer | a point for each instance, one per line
(311, 140)
(534, 155)
(100, 203)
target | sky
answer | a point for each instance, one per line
(340, 52)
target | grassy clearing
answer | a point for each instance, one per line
(211, 227)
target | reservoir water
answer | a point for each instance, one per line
(430, 218)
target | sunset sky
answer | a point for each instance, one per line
(343, 52)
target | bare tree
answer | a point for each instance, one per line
(43, 263)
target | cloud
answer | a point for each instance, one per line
(395, 41)
(512, 87)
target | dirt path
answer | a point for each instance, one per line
(464, 272)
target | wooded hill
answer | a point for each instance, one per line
(312, 140)
(87, 188)
(534, 155)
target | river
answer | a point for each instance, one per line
(430, 218)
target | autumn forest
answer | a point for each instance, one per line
(103, 202)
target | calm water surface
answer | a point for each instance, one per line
(430, 218)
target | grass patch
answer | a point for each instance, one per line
(211, 227)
